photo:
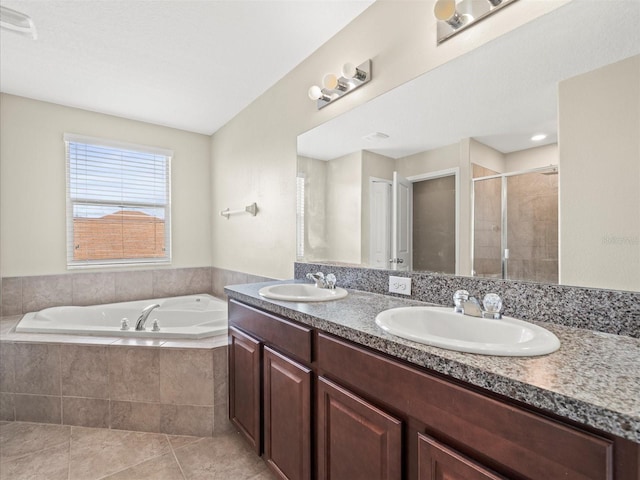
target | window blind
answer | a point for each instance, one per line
(118, 202)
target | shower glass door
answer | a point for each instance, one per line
(515, 226)
(487, 228)
(532, 227)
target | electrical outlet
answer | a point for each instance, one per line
(400, 285)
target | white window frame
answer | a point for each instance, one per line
(168, 154)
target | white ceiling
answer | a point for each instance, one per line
(500, 94)
(186, 64)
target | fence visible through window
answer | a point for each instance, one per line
(118, 203)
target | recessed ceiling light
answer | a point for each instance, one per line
(375, 136)
(539, 136)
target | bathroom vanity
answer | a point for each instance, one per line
(321, 392)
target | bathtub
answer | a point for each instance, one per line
(188, 317)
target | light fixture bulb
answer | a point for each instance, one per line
(538, 137)
(445, 11)
(349, 70)
(330, 81)
(315, 92)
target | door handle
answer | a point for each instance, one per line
(396, 260)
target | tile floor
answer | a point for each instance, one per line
(50, 452)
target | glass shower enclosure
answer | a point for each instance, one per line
(515, 225)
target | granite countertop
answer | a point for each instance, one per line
(594, 378)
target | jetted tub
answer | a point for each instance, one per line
(188, 317)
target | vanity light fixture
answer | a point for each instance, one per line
(17, 22)
(456, 15)
(335, 87)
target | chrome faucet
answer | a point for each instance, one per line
(318, 278)
(468, 305)
(321, 281)
(146, 311)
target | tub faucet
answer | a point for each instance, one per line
(146, 311)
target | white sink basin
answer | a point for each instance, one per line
(440, 327)
(302, 292)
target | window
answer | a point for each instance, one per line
(118, 203)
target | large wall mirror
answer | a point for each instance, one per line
(442, 174)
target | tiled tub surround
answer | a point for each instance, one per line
(592, 379)
(608, 311)
(31, 294)
(162, 386)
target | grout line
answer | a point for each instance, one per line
(59, 347)
(175, 457)
(48, 447)
(69, 454)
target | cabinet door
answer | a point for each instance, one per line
(356, 440)
(287, 416)
(244, 386)
(439, 462)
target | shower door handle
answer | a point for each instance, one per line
(505, 262)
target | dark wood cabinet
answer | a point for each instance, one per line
(269, 391)
(436, 461)
(375, 417)
(356, 440)
(244, 386)
(287, 416)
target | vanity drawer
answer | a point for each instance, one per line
(283, 334)
(507, 438)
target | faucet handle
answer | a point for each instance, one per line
(331, 281)
(459, 298)
(492, 304)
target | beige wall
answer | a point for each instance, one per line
(32, 184)
(536, 157)
(315, 204)
(251, 159)
(344, 207)
(254, 155)
(430, 161)
(600, 177)
(487, 157)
